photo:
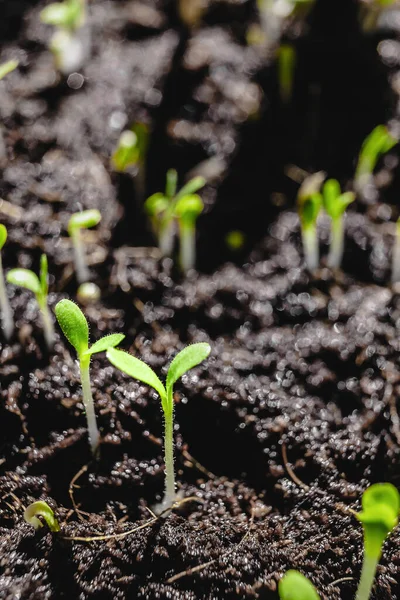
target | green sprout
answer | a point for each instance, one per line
(40, 287)
(8, 67)
(189, 357)
(131, 150)
(379, 516)
(81, 220)
(309, 204)
(294, 586)
(377, 143)
(286, 69)
(76, 329)
(41, 509)
(335, 204)
(161, 208)
(68, 15)
(6, 312)
(187, 210)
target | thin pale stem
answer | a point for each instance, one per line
(48, 325)
(367, 577)
(93, 432)
(396, 257)
(166, 238)
(187, 249)
(82, 271)
(170, 494)
(337, 243)
(6, 312)
(310, 247)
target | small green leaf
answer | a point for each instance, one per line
(172, 181)
(188, 208)
(25, 279)
(126, 152)
(41, 509)
(187, 358)
(311, 185)
(294, 586)
(136, 368)
(74, 325)
(104, 343)
(379, 516)
(8, 67)
(191, 187)
(84, 220)
(3, 235)
(335, 203)
(156, 204)
(68, 14)
(310, 209)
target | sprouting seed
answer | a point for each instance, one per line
(82, 220)
(396, 255)
(286, 70)
(187, 210)
(75, 328)
(309, 204)
(379, 516)
(41, 509)
(68, 15)
(335, 204)
(189, 357)
(6, 312)
(40, 287)
(294, 586)
(8, 67)
(377, 143)
(131, 150)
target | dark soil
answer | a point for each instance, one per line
(295, 413)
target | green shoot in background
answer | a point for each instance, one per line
(294, 586)
(131, 150)
(371, 10)
(187, 210)
(377, 143)
(41, 509)
(78, 221)
(396, 255)
(286, 71)
(8, 67)
(309, 204)
(68, 15)
(6, 312)
(189, 357)
(335, 204)
(235, 240)
(379, 516)
(75, 328)
(40, 287)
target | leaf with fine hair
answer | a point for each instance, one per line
(84, 219)
(3, 235)
(73, 324)
(8, 67)
(136, 368)
(189, 357)
(26, 279)
(294, 586)
(104, 343)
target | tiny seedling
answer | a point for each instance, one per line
(6, 312)
(286, 70)
(40, 287)
(76, 329)
(187, 210)
(8, 67)
(396, 255)
(309, 204)
(41, 509)
(294, 586)
(131, 150)
(68, 15)
(377, 143)
(78, 221)
(379, 516)
(189, 357)
(335, 204)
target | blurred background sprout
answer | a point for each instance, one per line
(6, 312)
(78, 221)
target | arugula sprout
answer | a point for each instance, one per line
(377, 143)
(286, 69)
(309, 204)
(82, 220)
(131, 150)
(41, 509)
(189, 357)
(76, 329)
(40, 287)
(335, 204)
(8, 67)
(379, 516)
(294, 586)
(6, 312)
(187, 210)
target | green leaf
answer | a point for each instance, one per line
(104, 343)
(126, 152)
(379, 516)
(136, 368)
(294, 586)
(310, 209)
(188, 208)
(7, 67)
(187, 358)
(336, 203)
(3, 235)
(41, 509)
(156, 204)
(44, 272)
(74, 325)
(25, 279)
(84, 220)
(68, 14)
(311, 185)
(191, 187)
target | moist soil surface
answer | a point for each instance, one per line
(296, 411)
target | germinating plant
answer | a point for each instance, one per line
(6, 312)
(335, 204)
(81, 220)
(40, 287)
(379, 516)
(131, 150)
(189, 357)
(377, 143)
(8, 67)
(187, 210)
(309, 204)
(76, 329)
(41, 509)
(294, 586)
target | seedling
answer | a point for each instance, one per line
(41, 509)
(187, 210)
(188, 358)
(40, 287)
(377, 143)
(131, 150)
(75, 328)
(78, 221)
(161, 208)
(68, 15)
(379, 516)
(294, 586)
(335, 204)
(396, 255)
(8, 67)
(6, 312)
(286, 69)
(309, 204)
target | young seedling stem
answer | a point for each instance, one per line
(6, 312)
(189, 357)
(75, 328)
(8, 67)
(294, 586)
(187, 210)
(335, 204)
(77, 222)
(131, 150)
(41, 509)
(309, 203)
